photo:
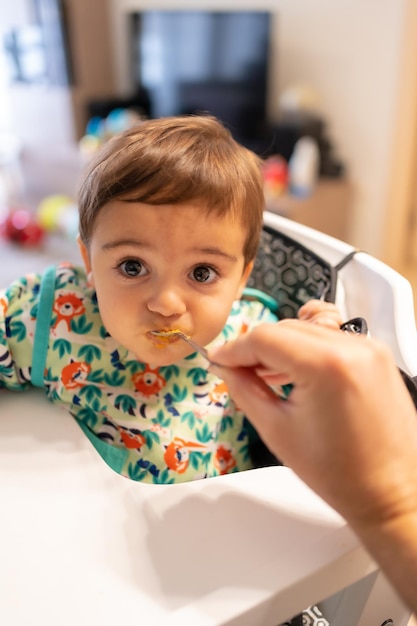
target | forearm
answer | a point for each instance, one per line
(393, 545)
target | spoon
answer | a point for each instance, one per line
(357, 326)
(187, 338)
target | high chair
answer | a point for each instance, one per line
(361, 285)
(82, 545)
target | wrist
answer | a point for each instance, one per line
(392, 542)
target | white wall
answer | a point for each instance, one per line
(40, 115)
(349, 52)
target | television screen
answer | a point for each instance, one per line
(204, 62)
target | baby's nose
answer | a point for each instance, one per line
(167, 300)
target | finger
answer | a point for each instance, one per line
(256, 399)
(313, 307)
(288, 348)
(323, 313)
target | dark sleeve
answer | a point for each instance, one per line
(259, 452)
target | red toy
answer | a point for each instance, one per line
(21, 228)
(275, 173)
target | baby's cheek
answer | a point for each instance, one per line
(211, 323)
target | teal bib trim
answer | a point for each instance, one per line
(43, 326)
(114, 457)
(260, 296)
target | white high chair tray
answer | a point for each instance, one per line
(80, 544)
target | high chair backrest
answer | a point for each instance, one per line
(290, 272)
(296, 263)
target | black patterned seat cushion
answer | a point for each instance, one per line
(290, 273)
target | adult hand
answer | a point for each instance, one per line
(348, 428)
(322, 313)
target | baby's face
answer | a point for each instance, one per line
(162, 268)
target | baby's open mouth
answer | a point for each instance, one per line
(167, 336)
(164, 337)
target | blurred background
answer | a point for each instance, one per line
(73, 72)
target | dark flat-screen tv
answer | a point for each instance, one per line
(199, 62)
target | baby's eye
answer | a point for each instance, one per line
(132, 268)
(204, 274)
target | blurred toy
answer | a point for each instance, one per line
(58, 213)
(275, 173)
(95, 127)
(100, 130)
(304, 167)
(50, 210)
(22, 228)
(88, 145)
(119, 120)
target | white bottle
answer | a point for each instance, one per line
(303, 167)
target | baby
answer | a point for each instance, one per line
(170, 214)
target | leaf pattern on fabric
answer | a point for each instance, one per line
(172, 424)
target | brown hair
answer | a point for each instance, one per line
(172, 160)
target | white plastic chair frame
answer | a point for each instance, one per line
(367, 288)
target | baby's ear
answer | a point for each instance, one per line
(245, 276)
(86, 260)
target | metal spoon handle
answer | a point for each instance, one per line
(196, 347)
(178, 333)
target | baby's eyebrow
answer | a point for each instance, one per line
(211, 251)
(216, 252)
(123, 242)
